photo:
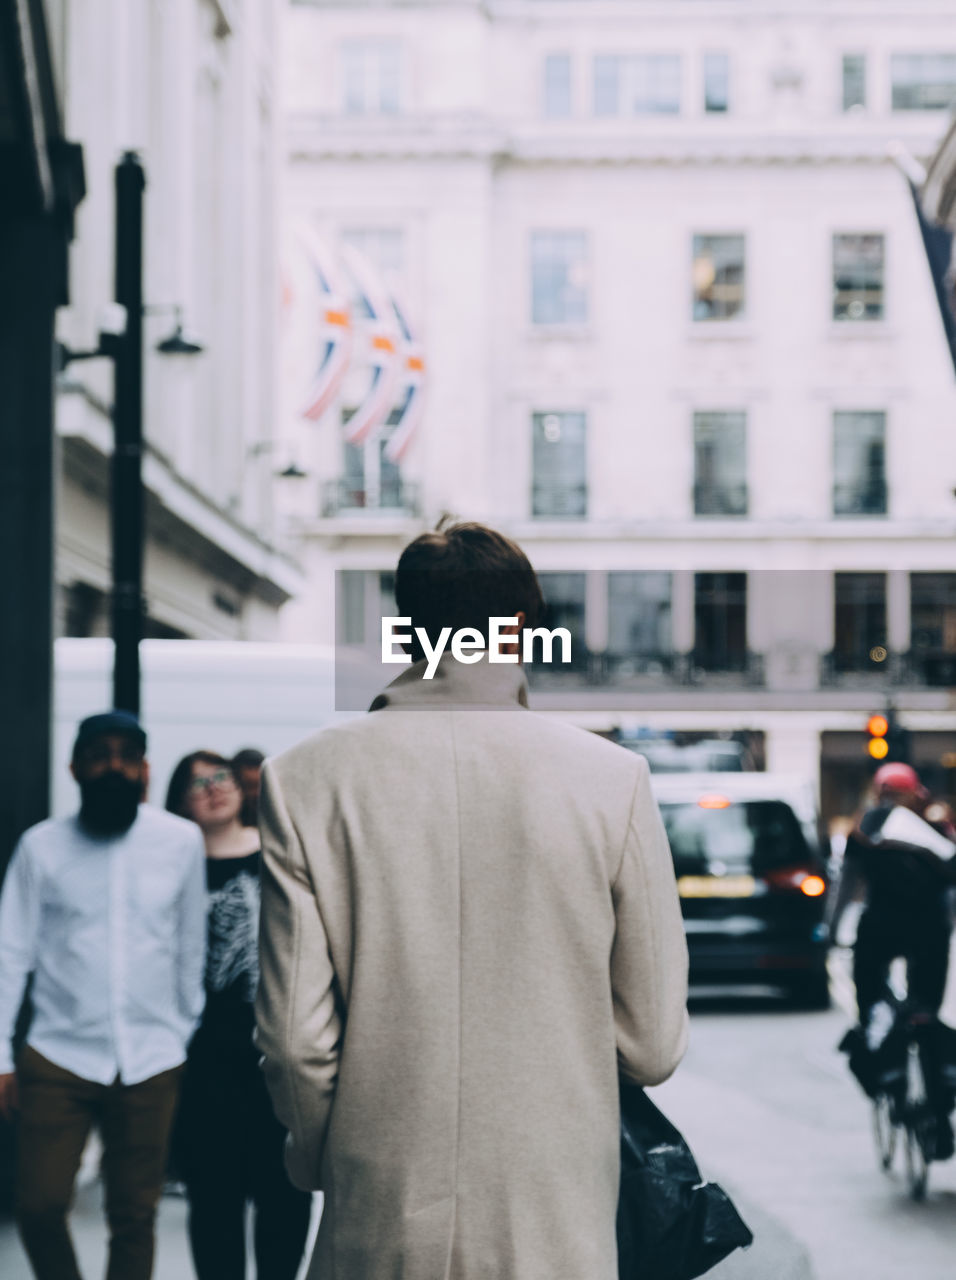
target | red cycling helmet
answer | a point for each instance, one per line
(898, 777)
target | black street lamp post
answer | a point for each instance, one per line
(127, 510)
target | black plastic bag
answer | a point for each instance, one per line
(670, 1224)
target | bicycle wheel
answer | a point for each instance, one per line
(920, 1126)
(884, 1131)
(917, 1166)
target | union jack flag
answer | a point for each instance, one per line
(411, 400)
(334, 331)
(383, 350)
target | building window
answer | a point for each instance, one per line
(716, 82)
(858, 262)
(933, 627)
(859, 621)
(720, 621)
(351, 599)
(559, 466)
(559, 277)
(557, 85)
(859, 464)
(363, 597)
(639, 621)
(854, 81)
(371, 77)
(720, 464)
(637, 84)
(923, 81)
(564, 606)
(718, 277)
(382, 247)
(369, 479)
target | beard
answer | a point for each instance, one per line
(109, 804)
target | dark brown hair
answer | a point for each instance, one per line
(182, 776)
(460, 575)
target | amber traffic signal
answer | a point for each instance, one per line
(877, 746)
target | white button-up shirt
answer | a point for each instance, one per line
(113, 931)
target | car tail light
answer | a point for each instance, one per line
(797, 879)
(713, 802)
(813, 886)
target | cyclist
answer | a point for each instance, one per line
(906, 915)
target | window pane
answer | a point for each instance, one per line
(859, 463)
(384, 247)
(559, 465)
(720, 620)
(639, 619)
(858, 277)
(720, 464)
(653, 84)
(923, 81)
(607, 85)
(860, 619)
(389, 79)
(638, 84)
(559, 277)
(353, 77)
(557, 85)
(718, 277)
(564, 599)
(371, 77)
(351, 625)
(716, 82)
(933, 627)
(854, 81)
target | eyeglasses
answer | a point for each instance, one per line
(221, 778)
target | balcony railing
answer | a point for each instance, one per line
(650, 672)
(720, 500)
(344, 496)
(860, 500)
(559, 502)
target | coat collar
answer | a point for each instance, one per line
(481, 684)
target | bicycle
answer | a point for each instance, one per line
(902, 1103)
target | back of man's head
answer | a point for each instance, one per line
(460, 575)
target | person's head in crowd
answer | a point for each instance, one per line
(460, 575)
(110, 767)
(898, 783)
(204, 787)
(248, 764)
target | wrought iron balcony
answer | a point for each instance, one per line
(345, 496)
(720, 500)
(559, 502)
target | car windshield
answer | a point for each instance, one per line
(751, 837)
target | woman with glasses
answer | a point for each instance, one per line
(229, 1146)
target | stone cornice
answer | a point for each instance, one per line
(314, 138)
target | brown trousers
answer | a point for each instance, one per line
(57, 1112)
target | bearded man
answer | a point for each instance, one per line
(106, 911)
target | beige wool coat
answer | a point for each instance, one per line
(470, 925)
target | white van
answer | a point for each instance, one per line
(218, 695)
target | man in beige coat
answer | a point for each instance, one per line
(470, 927)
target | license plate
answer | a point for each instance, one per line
(716, 886)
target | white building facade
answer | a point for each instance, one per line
(681, 341)
(190, 87)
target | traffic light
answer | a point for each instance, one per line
(878, 728)
(887, 741)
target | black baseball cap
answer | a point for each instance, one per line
(108, 722)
